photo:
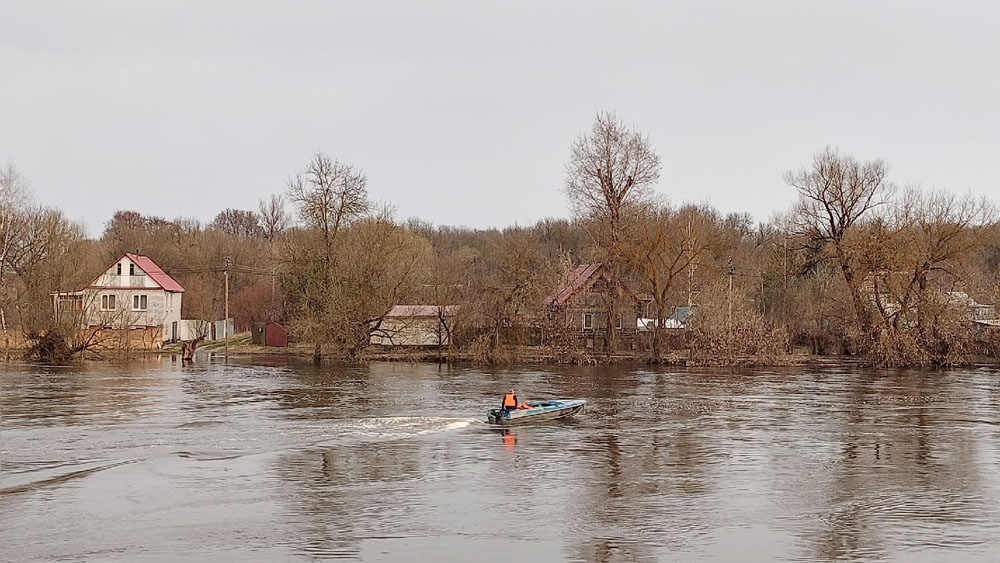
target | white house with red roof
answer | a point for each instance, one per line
(132, 293)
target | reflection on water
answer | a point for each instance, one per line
(282, 461)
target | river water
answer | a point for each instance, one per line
(276, 460)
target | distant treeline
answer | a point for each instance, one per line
(897, 276)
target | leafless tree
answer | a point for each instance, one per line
(329, 195)
(506, 291)
(14, 195)
(666, 248)
(609, 178)
(382, 265)
(449, 291)
(610, 171)
(272, 216)
(915, 269)
(835, 193)
(238, 223)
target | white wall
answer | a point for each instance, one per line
(162, 309)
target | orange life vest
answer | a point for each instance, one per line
(509, 400)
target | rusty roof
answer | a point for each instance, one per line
(575, 281)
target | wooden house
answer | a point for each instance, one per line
(579, 306)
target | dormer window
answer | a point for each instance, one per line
(131, 269)
(119, 268)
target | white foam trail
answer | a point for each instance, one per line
(395, 428)
(454, 425)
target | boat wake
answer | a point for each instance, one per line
(393, 428)
(32, 483)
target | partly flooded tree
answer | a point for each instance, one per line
(329, 196)
(609, 180)
(916, 270)
(507, 285)
(835, 193)
(666, 248)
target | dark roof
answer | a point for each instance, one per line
(573, 282)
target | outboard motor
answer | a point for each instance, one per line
(495, 416)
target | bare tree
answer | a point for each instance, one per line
(330, 196)
(915, 261)
(666, 247)
(238, 223)
(610, 171)
(14, 195)
(382, 265)
(507, 288)
(835, 193)
(609, 178)
(272, 216)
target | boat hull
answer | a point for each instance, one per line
(541, 411)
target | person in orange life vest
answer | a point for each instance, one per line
(509, 401)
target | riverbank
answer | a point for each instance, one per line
(241, 346)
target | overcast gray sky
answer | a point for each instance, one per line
(462, 112)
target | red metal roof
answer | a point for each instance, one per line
(575, 281)
(154, 272)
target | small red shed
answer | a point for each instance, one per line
(275, 335)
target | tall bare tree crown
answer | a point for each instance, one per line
(272, 216)
(329, 194)
(610, 169)
(836, 191)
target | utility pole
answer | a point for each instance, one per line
(690, 269)
(732, 271)
(763, 305)
(225, 321)
(784, 274)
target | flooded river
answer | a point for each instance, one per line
(281, 461)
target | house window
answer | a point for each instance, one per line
(72, 303)
(588, 321)
(108, 302)
(618, 322)
(119, 268)
(138, 302)
(131, 269)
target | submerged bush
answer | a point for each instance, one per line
(742, 337)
